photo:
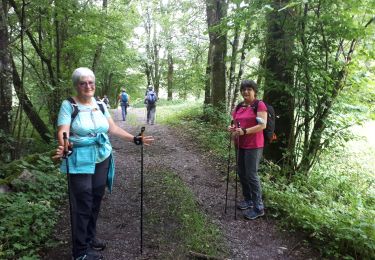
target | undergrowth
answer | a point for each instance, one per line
(28, 212)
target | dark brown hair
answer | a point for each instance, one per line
(249, 84)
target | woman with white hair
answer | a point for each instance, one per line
(91, 165)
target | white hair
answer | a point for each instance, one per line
(81, 72)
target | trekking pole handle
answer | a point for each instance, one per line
(138, 140)
(66, 148)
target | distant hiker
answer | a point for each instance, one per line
(150, 101)
(124, 102)
(91, 165)
(106, 101)
(251, 143)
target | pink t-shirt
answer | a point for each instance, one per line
(246, 116)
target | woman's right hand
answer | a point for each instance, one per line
(59, 153)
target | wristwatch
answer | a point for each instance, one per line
(244, 131)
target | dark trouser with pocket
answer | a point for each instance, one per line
(124, 107)
(151, 109)
(86, 193)
(248, 164)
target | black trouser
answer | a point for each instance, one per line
(86, 193)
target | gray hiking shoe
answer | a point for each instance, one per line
(245, 204)
(253, 213)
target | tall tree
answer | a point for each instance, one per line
(327, 53)
(279, 65)
(5, 72)
(28, 107)
(153, 46)
(243, 51)
(99, 47)
(216, 11)
(5, 81)
(170, 76)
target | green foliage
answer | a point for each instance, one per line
(28, 212)
(7, 145)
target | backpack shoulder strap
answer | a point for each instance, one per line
(75, 108)
(101, 106)
(255, 106)
(239, 105)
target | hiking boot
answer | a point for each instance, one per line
(245, 204)
(97, 244)
(253, 213)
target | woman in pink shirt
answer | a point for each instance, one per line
(251, 114)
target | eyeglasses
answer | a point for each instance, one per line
(84, 84)
(247, 89)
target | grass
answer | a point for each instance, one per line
(176, 215)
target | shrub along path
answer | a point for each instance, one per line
(172, 151)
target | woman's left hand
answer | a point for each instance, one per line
(147, 140)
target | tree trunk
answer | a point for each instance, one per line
(216, 11)
(5, 72)
(207, 88)
(54, 103)
(279, 79)
(170, 75)
(148, 74)
(98, 50)
(232, 68)
(156, 63)
(240, 70)
(27, 106)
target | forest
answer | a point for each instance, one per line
(312, 60)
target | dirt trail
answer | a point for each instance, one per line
(119, 220)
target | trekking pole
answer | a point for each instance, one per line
(65, 156)
(141, 134)
(237, 160)
(228, 169)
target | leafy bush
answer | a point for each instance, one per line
(29, 213)
(335, 204)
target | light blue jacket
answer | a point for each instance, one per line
(89, 135)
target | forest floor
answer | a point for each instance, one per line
(173, 151)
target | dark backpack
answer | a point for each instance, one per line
(76, 110)
(151, 97)
(268, 132)
(124, 98)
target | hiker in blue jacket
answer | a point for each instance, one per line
(91, 164)
(124, 102)
(150, 101)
